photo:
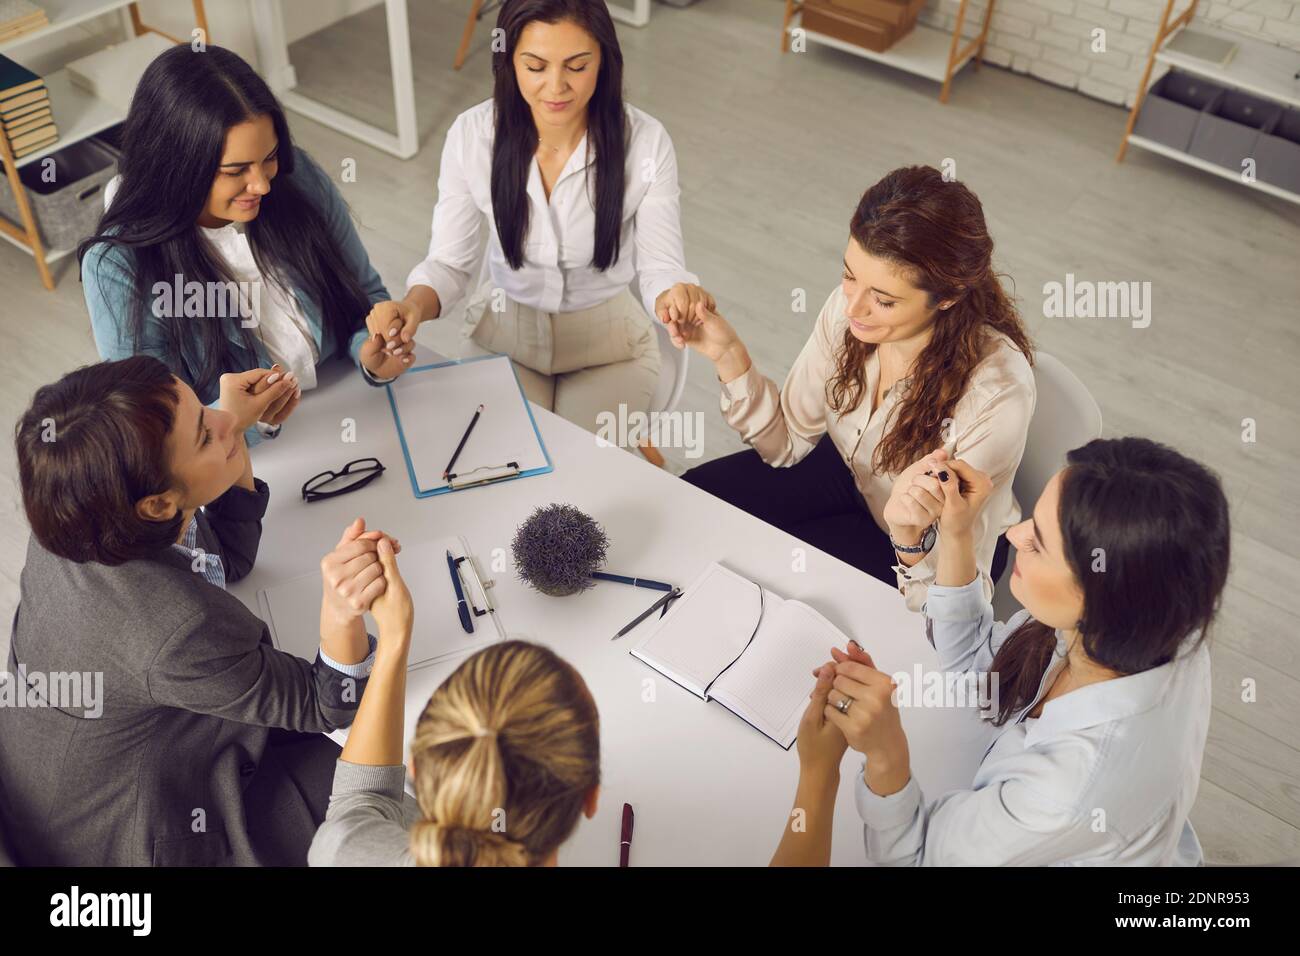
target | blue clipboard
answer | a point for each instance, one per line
(527, 472)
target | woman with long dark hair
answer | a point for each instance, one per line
(199, 743)
(580, 194)
(1100, 687)
(918, 355)
(224, 247)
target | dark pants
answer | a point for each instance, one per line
(814, 500)
(286, 800)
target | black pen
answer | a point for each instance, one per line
(446, 472)
(672, 595)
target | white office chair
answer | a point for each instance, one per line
(1065, 416)
(672, 371)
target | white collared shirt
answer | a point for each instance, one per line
(279, 321)
(1105, 776)
(557, 274)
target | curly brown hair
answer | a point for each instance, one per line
(935, 231)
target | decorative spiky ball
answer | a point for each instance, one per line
(557, 548)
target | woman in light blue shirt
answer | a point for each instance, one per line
(1103, 681)
(224, 247)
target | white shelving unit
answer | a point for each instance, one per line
(1259, 68)
(77, 114)
(925, 51)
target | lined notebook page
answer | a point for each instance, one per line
(708, 626)
(292, 609)
(435, 405)
(770, 683)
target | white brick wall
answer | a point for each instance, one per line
(1053, 39)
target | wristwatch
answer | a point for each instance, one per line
(927, 543)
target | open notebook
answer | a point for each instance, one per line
(291, 610)
(752, 651)
(433, 404)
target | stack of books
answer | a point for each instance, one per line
(18, 17)
(25, 109)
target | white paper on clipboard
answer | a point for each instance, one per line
(291, 609)
(434, 405)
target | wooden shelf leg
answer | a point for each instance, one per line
(33, 235)
(791, 7)
(1162, 33)
(952, 52)
(984, 35)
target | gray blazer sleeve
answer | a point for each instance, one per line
(220, 661)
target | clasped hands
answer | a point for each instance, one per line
(360, 574)
(852, 705)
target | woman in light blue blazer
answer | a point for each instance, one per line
(224, 247)
(1098, 692)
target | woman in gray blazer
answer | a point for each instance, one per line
(152, 721)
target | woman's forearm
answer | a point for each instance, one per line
(956, 564)
(375, 738)
(342, 640)
(733, 362)
(807, 837)
(424, 301)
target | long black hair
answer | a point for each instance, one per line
(172, 145)
(515, 145)
(1161, 522)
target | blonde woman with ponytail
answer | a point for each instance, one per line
(505, 758)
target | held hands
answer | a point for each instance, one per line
(916, 500)
(860, 704)
(678, 303)
(260, 394)
(393, 610)
(936, 488)
(705, 331)
(353, 574)
(392, 325)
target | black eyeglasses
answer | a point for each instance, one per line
(330, 484)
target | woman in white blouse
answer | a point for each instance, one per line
(1101, 685)
(580, 195)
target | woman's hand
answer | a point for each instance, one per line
(382, 361)
(352, 575)
(249, 395)
(394, 323)
(870, 723)
(916, 499)
(678, 303)
(965, 491)
(703, 330)
(392, 610)
(280, 409)
(820, 744)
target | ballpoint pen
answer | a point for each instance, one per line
(462, 606)
(635, 582)
(671, 596)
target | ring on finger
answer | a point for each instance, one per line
(843, 704)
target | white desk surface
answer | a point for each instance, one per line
(707, 789)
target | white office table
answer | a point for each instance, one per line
(707, 789)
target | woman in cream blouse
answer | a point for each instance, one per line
(919, 349)
(581, 195)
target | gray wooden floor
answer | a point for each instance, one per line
(774, 152)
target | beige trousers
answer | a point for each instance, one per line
(577, 364)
